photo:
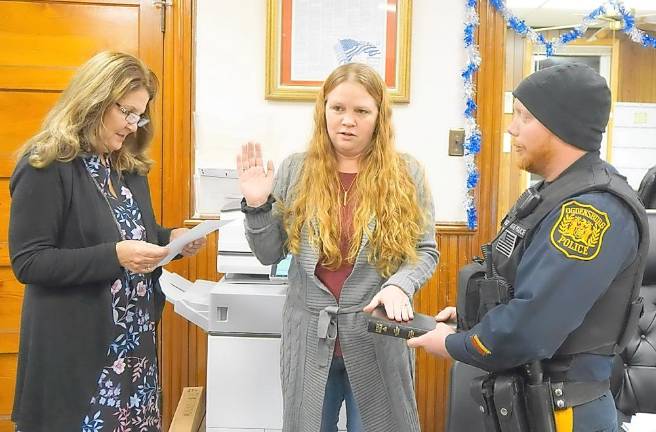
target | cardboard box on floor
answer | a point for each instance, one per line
(190, 413)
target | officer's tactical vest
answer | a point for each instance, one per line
(603, 328)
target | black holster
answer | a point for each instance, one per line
(539, 406)
(509, 403)
(509, 400)
(482, 390)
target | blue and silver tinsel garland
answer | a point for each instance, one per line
(473, 137)
(607, 6)
(472, 132)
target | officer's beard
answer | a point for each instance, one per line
(536, 159)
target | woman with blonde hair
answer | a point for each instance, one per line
(357, 218)
(84, 240)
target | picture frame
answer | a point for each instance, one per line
(306, 40)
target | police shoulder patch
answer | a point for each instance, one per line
(579, 231)
(478, 346)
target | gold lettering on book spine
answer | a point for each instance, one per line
(381, 328)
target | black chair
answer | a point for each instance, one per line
(634, 376)
(463, 413)
(647, 189)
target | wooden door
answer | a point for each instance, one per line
(42, 44)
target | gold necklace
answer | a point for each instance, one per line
(345, 191)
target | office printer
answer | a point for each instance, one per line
(242, 314)
(247, 290)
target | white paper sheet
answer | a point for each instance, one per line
(173, 286)
(197, 232)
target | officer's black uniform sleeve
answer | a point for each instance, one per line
(555, 287)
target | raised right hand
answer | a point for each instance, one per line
(255, 182)
(139, 256)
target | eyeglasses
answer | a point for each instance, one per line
(133, 118)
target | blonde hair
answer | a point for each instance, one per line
(383, 187)
(74, 125)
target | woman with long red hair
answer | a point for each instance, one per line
(357, 218)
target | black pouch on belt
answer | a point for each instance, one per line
(510, 404)
(482, 390)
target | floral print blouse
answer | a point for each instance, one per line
(126, 396)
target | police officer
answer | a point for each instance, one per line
(572, 250)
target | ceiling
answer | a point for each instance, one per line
(547, 13)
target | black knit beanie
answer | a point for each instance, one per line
(571, 100)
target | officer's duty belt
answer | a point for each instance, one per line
(572, 394)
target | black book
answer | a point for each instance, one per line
(378, 323)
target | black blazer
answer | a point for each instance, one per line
(62, 244)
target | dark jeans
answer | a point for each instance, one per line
(598, 415)
(338, 390)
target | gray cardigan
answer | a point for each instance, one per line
(380, 369)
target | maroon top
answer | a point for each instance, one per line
(334, 279)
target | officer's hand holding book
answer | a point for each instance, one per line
(434, 341)
(447, 315)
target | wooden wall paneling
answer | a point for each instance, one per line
(427, 394)
(5, 204)
(489, 97)
(518, 64)
(21, 114)
(59, 36)
(184, 345)
(203, 266)
(11, 294)
(614, 92)
(512, 180)
(637, 69)
(628, 90)
(455, 244)
(178, 340)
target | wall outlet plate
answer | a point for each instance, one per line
(456, 142)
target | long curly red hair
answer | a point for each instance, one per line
(383, 186)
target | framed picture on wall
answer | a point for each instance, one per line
(307, 39)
